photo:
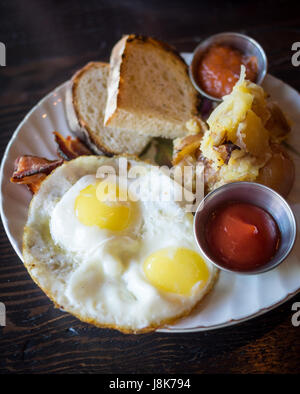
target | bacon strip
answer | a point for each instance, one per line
(30, 165)
(70, 148)
(32, 170)
(33, 182)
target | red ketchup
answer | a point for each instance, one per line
(242, 236)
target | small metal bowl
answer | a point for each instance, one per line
(256, 194)
(247, 45)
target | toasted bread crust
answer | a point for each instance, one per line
(76, 122)
(84, 130)
(156, 42)
(118, 60)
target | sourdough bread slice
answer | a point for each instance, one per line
(85, 105)
(149, 89)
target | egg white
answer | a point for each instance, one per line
(98, 274)
(67, 231)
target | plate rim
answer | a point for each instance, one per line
(165, 330)
(4, 158)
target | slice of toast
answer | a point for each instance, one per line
(85, 105)
(149, 89)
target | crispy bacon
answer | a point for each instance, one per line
(30, 165)
(33, 182)
(32, 170)
(70, 148)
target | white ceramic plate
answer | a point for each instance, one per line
(235, 298)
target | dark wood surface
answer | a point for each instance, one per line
(46, 42)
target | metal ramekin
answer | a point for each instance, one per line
(245, 44)
(256, 194)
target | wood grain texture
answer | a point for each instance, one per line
(46, 42)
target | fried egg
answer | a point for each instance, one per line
(114, 257)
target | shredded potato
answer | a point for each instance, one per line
(238, 144)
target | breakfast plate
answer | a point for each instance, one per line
(235, 298)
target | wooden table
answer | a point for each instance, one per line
(46, 42)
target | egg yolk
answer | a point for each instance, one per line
(176, 270)
(99, 204)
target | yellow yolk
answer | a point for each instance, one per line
(176, 270)
(98, 204)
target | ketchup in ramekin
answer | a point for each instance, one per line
(219, 69)
(242, 236)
